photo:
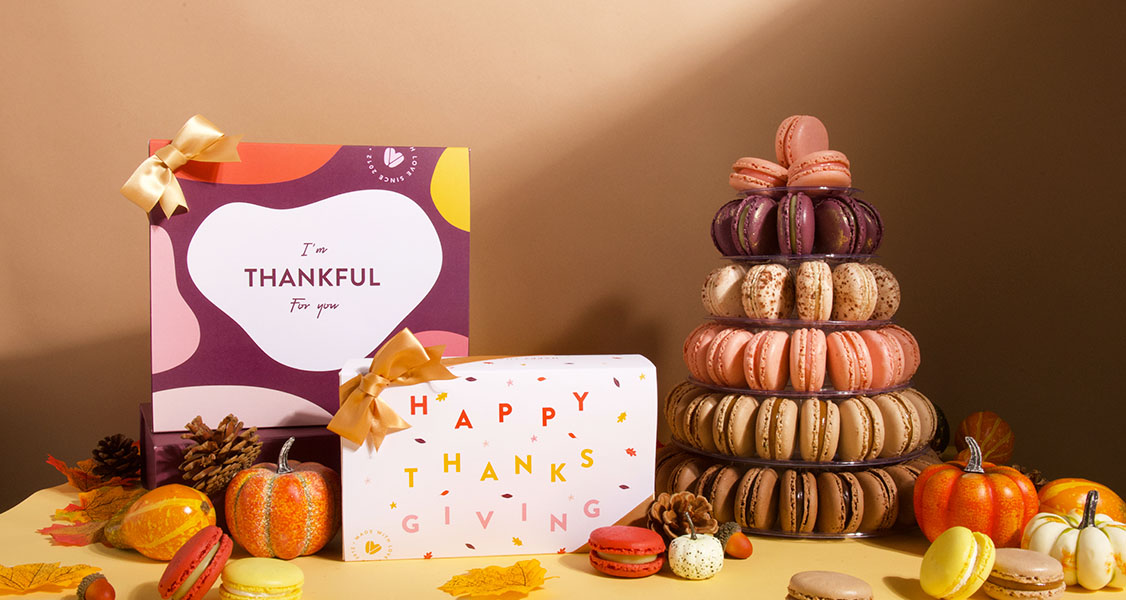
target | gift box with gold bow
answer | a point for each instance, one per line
(267, 273)
(515, 455)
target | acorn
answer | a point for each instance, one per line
(95, 587)
(735, 543)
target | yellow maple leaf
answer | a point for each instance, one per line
(42, 577)
(517, 541)
(522, 577)
(441, 397)
(621, 417)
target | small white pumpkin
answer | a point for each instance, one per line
(695, 556)
(1091, 548)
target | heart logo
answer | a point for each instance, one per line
(372, 547)
(316, 285)
(392, 158)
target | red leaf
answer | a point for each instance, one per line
(77, 534)
(631, 452)
(471, 546)
(572, 436)
(561, 551)
(82, 476)
(624, 486)
(616, 383)
(444, 492)
(428, 555)
(540, 378)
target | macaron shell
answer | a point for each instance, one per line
(1016, 570)
(701, 412)
(768, 292)
(928, 414)
(751, 173)
(854, 292)
(862, 430)
(798, 136)
(797, 507)
(766, 360)
(902, 428)
(807, 359)
(813, 291)
(848, 361)
(756, 504)
(685, 474)
(698, 340)
(886, 356)
(721, 493)
(755, 226)
(721, 228)
(887, 292)
(722, 293)
(725, 357)
(796, 226)
(628, 541)
(740, 433)
(881, 500)
(910, 347)
(666, 462)
(956, 564)
(838, 229)
(189, 558)
(677, 399)
(873, 226)
(629, 570)
(267, 577)
(828, 585)
(818, 430)
(827, 168)
(775, 428)
(904, 477)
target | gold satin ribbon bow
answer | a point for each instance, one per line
(153, 181)
(401, 361)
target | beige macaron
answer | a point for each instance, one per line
(698, 422)
(768, 292)
(862, 430)
(819, 428)
(813, 291)
(776, 424)
(902, 429)
(854, 292)
(722, 293)
(677, 399)
(928, 416)
(887, 292)
(735, 425)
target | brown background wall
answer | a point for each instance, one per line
(989, 134)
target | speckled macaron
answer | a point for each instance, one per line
(887, 292)
(768, 292)
(722, 292)
(854, 292)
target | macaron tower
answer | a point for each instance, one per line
(799, 417)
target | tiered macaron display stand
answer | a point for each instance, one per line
(730, 471)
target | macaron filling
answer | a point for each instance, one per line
(971, 568)
(196, 573)
(1022, 586)
(627, 559)
(822, 441)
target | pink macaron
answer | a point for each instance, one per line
(725, 357)
(807, 359)
(850, 364)
(766, 360)
(696, 349)
(824, 168)
(798, 136)
(749, 173)
(910, 347)
(887, 358)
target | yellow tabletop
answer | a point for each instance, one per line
(889, 564)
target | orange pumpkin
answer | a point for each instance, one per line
(987, 498)
(1069, 494)
(992, 433)
(285, 510)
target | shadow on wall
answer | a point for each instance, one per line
(63, 404)
(930, 103)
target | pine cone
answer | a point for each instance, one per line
(117, 456)
(1035, 475)
(218, 453)
(666, 515)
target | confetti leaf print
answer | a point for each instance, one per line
(428, 555)
(622, 418)
(442, 397)
(617, 383)
(522, 577)
(420, 440)
(561, 551)
(517, 541)
(42, 577)
(631, 452)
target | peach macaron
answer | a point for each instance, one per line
(766, 360)
(827, 168)
(749, 173)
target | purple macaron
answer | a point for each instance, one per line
(722, 226)
(842, 226)
(873, 227)
(755, 227)
(795, 224)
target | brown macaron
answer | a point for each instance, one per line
(735, 426)
(902, 429)
(819, 428)
(841, 502)
(776, 423)
(862, 430)
(756, 504)
(904, 476)
(667, 457)
(683, 474)
(678, 398)
(797, 501)
(881, 500)
(928, 415)
(719, 486)
(698, 422)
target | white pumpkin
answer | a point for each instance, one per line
(1091, 548)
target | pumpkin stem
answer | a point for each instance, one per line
(691, 525)
(974, 464)
(283, 457)
(1089, 506)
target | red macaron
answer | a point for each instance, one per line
(624, 551)
(196, 565)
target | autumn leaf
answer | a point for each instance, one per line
(75, 534)
(42, 577)
(631, 452)
(441, 397)
(82, 476)
(99, 504)
(522, 577)
(517, 541)
(622, 418)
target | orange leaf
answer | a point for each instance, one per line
(82, 476)
(75, 534)
(42, 577)
(99, 504)
(522, 577)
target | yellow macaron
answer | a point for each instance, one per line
(956, 564)
(261, 579)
